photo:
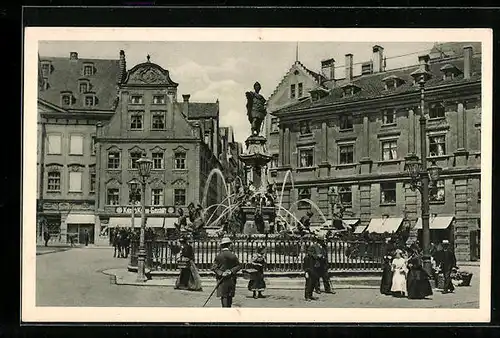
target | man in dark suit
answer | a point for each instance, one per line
(225, 266)
(324, 266)
(312, 269)
(448, 263)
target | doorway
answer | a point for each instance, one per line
(78, 232)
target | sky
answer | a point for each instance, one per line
(226, 70)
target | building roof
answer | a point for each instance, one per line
(199, 110)
(65, 74)
(373, 86)
(452, 49)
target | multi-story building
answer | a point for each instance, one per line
(230, 152)
(74, 95)
(180, 137)
(355, 136)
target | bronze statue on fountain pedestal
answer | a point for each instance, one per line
(256, 108)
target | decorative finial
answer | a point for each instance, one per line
(148, 57)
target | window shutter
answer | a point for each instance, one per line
(54, 144)
(75, 181)
(76, 145)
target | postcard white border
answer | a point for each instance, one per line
(32, 313)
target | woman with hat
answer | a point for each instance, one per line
(257, 284)
(399, 271)
(189, 278)
(386, 282)
(418, 284)
(225, 266)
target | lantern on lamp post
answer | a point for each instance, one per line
(145, 165)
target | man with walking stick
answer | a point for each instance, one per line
(225, 266)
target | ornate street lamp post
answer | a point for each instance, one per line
(421, 176)
(145, 165)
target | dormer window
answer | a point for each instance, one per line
(84, 86)
(158, 99)
(450, 72)
(46, 68)
(90, 100)
(88, 69)
(350, 89)
(136, 99)
(66, 99)
(392, 82)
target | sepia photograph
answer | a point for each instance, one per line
(292, 174)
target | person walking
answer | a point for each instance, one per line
(386, 282)
(115, 239)
(312, 269)
(226, 265)
(86, 237)
(189, 278)
(324, 275)
(399, 271)
(257, 284)
(418, 285)
(46, 237)
(448, 263)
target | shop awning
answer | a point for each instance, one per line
(80, 219)
(159, 222)
(124, 222)
(348, 223)
(359, 229)
(436, 223)
(381, 225)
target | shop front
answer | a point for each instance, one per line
(384, 225)
(79, 225)
(440, 229)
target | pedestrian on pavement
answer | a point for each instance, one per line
(86, 237)
(324, 275)
(189, 278)
(448, 264)
(418, 285)
(126, 241)
(115, 241)
(386, 282)
(225, 266)
(399, 270)
(312, 269)
(46, 237)
(257, 284)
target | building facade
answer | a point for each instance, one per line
(74, 95)
(356, 135)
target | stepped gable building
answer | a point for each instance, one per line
(181, 138)
(355, 136)
(73, 95)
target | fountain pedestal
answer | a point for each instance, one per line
(257, 157)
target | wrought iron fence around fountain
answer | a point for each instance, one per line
(281, 255)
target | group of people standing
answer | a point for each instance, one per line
(121, 238)
(404, 275)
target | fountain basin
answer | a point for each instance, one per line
(268, 213)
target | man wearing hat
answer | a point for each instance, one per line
(323, 259)
(226, 265)
(448, 263)
(312, 269)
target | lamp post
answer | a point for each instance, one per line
(145, 165)
(421, 176)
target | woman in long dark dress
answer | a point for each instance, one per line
(418, 284)
(386, 282)
(189, 278)
(257, 284)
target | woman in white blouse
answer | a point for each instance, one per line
(399, 270)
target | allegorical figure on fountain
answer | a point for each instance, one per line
(256, 108)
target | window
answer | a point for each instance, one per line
(90, 100)
(180, 161)
(66, 99)
(158, 120)
(389, 116)
(54, 144)
(304, 193)
(437, 145)
(92, 182)
(158, 99)
(301, 90)
(437, 192)
(113, 196)
(136, 121)
(135, 193)
(75, 182)
(292, 91)
(113, 160)
(388, 193)
(54, 181)
(305, 127)
(45, 68)
(84, 87)
(389, 150)
(345, 193)
(88, 70)
(436, 111)
(180, 197)
(274, 125)
(306, 158)
(345, 122)
(274, 161)
(157, 160)
(448, 76)
(346, 154)
(157, 196)
(134, 156)
(92, 145)
(136, 99)
(76, 145)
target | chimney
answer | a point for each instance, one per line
(328, 69)
(73, 56)
(123, 67)
(348, 67)
(467, 61)
(185, 105)
(378, 59)
(423, 60)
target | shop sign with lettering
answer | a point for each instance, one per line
(149, 210)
